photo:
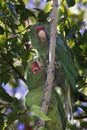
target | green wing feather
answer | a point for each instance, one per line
(61, 109)
(64, 54)
(55, 116)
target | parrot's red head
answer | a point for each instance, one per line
(35, 68)
(39, 28)
(41, 33)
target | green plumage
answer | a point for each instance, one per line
(63, 52)
(56, 122)
(65, 76)
(36, 80)
(42, 48)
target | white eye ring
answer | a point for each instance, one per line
(35, 69)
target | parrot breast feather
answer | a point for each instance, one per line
(35, 80)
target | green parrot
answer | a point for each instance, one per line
(66, 72)
(36, 80)
(39, 35)
(65, 76)
(57, 122)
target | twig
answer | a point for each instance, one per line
(51, 67)
(80, 117)
(3, 102)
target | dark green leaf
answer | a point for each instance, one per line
(21, 2)
(42, 128)
(42, 16)
(25, 38)
(13, 12)
(49, 0)
(84, 125)
(70, 3)
(1, 30)
(71, 126)
(1, 14)
(84, 108)
(26, 14)
(12, 117)
(1, 121)
(11, 6)
(5, 96)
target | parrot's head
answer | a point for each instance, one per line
(35, 68)
(41, 33)
(36, 76)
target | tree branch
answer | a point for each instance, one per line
(51, 67)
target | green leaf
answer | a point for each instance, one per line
(2, 3)
(38, 112)
(5, 96)
(13, 12)
(16, 112)
(45, 16)
(84, 108)
(71, 126)
(1, 30)
(48, 6)
(4, 75)
(70, 3)
(42, 128)
(1, 121)
(12, 117)
(83, 124)
(27, 13)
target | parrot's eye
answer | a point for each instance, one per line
(35, 70)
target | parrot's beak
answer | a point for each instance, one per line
(42, 36)
(41, 33)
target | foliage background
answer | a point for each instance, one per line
(15, 56)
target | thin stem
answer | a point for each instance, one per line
(51, 67)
